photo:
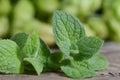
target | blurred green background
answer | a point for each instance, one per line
(100, 17)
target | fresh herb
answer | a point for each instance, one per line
(78, 57)
(80, 51)
(34, 51)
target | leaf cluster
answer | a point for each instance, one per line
(78, 56)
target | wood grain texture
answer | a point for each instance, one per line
(110, 50)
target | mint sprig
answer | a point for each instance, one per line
(81, 50)
(78, 56)
(34, 51)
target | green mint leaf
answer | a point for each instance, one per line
(54, 61)
(35, 48)
(44, 54)
(98, 62)
(30, 52)
(37, 64)
(67, 30)
(31, 47)
(76, 69)
(44, 51)
(10, 57)
(87, 47)
(20, 39)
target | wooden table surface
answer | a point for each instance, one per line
(110, 50)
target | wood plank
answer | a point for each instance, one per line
(110, 50)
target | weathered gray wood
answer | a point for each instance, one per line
(110, 50)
